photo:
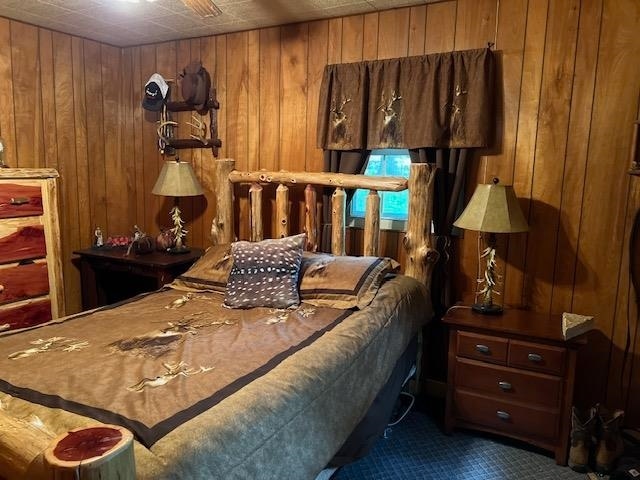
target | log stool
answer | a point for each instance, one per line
(102, 452)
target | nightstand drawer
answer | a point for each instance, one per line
(506, 417)
(482, 347)
(533, 356)
(508, 384)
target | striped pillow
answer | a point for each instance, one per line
(210, 272)
(342, 281)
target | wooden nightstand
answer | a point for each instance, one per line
(511, 374)
(108, 276)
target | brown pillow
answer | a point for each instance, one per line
(342, 281)
(210, 272)
(265, 274)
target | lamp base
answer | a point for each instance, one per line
(178, 250)
(487, 309)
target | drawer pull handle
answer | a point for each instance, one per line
(505, 386)
(502, 415)
(19, 201)
(483, 349)
(1, 288)
(534, 357)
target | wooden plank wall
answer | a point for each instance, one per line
(61, 104)
(569, 91)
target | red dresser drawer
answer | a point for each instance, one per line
(18, 282)
(506, 417)
(509, 384)
(25, 315)
(21, 240)
(19, 200)
(482, 347)
(533, 356)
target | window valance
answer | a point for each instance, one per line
(443, 100)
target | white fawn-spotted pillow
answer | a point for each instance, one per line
(265, 274)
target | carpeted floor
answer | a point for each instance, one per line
(417, 449)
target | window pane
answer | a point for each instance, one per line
(375, 165)
(358, 203)
(394, 205)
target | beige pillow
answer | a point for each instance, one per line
(342, 281)
(210, 272)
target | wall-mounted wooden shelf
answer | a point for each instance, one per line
(181, 143)
(212, 106)
(185, 107)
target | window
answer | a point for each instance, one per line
(394, 206)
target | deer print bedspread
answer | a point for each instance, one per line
(155, 362)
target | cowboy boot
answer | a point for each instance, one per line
(610, 445)
(582, 438)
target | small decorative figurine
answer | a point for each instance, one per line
(165, 240)
(99, 241)
(137, 233)
(140, 243)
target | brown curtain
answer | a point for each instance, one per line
(443, 100)
(438, 106)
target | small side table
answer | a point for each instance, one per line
(109, 276)
(511, 374)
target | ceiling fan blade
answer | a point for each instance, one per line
(204, 8)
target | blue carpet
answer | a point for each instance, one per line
(416, 449)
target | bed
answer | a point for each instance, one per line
(236, 393)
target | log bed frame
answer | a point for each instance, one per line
(23, 445)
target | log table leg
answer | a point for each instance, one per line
(102, 452)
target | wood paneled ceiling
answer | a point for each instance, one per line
(137, 22)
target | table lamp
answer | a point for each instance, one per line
(493, 208)
(177, 179)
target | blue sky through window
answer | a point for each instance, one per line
(386, 163)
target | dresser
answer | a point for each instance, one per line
(30, 251)
(511, 374)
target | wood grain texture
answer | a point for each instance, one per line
(80, 123)
(21, 239)
(565, 114)
(23, 281)
(393, 33)
(20, 199)
(441, 27)
(7, 119)
(316, 60)
(597, 274)
(24, 61)
(475, 26)
(417, 30)
(551, 140)
(25, 314)
(531, 74)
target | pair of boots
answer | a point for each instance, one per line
(598, 435)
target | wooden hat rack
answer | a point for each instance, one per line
(199, 140)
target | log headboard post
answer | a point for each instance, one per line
(222, 225)
(417, 241)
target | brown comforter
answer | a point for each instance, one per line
(212, 392)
